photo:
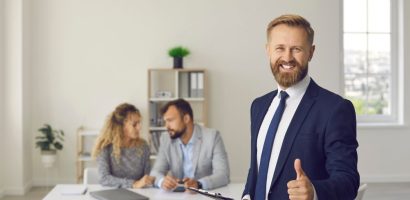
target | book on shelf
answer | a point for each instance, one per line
(153, 114)
(184, 88)
(196, 84)
(154, 141)
(200, 84)
(193, 84)
(155, 118)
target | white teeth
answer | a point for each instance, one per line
(287, 66)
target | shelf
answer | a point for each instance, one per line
(85, 141)
(195, 99)
(85, 158)
(162, 128)
(159, 99)
(166, 85)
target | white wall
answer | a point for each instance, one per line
(1, 93)
(26, 81)
(13, 162)
(16, 144)
(85, 57)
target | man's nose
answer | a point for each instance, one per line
(287, 55)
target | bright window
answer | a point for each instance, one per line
(370, 58)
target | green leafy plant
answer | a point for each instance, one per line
(50, 139)
(178, 51)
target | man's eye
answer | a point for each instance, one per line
(296, 50)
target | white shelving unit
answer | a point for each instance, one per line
(85, 142)
(165, 85)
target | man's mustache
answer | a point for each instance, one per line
(281, 62)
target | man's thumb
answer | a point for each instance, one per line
(298, 169)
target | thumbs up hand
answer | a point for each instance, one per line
(301, 188)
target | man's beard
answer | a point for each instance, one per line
(287, 79)
(177, 134)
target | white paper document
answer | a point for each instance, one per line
(72, 189)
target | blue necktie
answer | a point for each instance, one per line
(260, 189)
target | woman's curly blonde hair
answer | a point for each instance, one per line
(113, 131)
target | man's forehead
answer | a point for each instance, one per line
(284, 29)
(172, 110)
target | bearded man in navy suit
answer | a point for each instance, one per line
(313, 151)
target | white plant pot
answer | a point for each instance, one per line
(48, 158)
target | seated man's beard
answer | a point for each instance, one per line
(177, 134)
(287, 79)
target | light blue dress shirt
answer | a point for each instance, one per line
(187, 152)
(187, 157)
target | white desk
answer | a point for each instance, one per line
(233, 190)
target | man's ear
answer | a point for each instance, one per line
(267, 48)
(312, 50)
(186, 118)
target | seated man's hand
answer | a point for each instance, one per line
(169, 183)
(188, 182)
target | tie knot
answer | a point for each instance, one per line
(283, 95)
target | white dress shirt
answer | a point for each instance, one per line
(295, 93)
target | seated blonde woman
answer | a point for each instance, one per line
(122, 155)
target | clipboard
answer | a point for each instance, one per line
(212, 195)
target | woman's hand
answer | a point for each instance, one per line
(144, 182)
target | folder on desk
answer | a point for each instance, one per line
(117, 194)
(212, 195)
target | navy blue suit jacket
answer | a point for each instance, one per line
(322, 134)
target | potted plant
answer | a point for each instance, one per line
(49, 142)
(178, 53)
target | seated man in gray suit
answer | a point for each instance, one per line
(191, 154)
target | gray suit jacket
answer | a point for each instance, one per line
(210, 161)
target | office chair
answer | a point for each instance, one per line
(90, 176)
(360, 191)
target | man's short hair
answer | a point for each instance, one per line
(294, 21)
(182, 106)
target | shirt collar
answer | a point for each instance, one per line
(297, 89)
(193, 138)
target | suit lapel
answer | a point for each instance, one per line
(262, 107)
(177, 158)
(294, 126)
(197, 147)
(262, 111)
